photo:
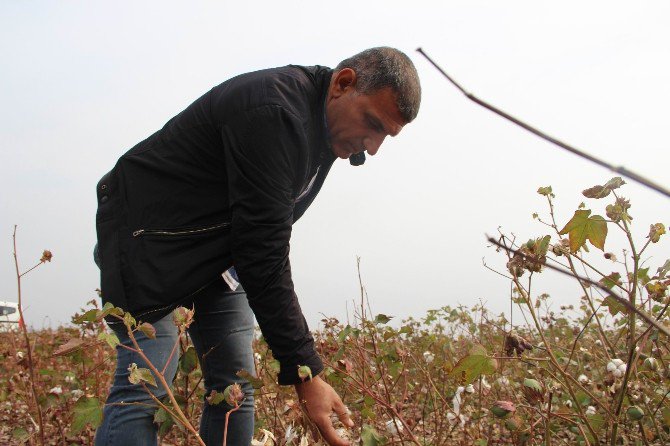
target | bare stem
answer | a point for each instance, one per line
(24, 330)
(225, 427)
(182, 418)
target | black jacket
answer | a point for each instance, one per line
(216, 187)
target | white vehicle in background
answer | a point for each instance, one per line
(9, 316)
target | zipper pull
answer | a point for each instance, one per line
(138, 232)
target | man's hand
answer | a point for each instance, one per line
(320, 401)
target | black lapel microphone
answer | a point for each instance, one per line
(357, 159)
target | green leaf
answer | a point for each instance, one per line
(582, 398)
(89, 316)
(615, 183)
(129, 320)
(344, 333)
(256, 383)
(546, 191)
(475, 364)
(614, 306)
(611, 281)
(666, 416)
(543, 246)
(161, 415)
(163, 418)
(183, 317)
(87, 410)
(662, 271)
(274, 365)
(233, 394)
(382, 319)
(215, 398)
(304, 372)
(369, 436)
(109, 338)
(109, 309)
(597, 421)
(643, 276)
(20, 435)
(138, 375)
(582, 227)
(188, 361)
(656, 231)
(148, 330)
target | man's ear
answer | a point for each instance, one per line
(342, 80)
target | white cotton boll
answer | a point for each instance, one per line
(503, 381)
(470, 388)
(342, 433)
(456, 400)
(616, 367)
(257, 356)
(393, 427)
(69, 379)
(290, 434)
(452, 418)
(76, 394)
(583, 379)
(267, 440)
(599, 343)
(590, 410)
(56, 390)
(428, 357)
(611, 367)
(485, 384)
(568, 403)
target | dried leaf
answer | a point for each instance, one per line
(138, 375)
(69, 347)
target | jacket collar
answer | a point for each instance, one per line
(325, 153)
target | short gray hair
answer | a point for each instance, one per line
(382, 67)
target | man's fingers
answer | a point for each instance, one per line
(343, 414)
(328, 432)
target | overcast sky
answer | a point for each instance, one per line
(82, 82)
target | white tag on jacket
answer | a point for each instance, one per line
(230, 280)
(309, 186)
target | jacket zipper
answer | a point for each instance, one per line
(166, 232)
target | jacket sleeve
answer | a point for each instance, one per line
(263, 150)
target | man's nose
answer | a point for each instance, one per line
(372, 144)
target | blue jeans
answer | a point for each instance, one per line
(222, 333)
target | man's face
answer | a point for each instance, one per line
(359, 122)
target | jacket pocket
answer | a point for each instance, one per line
(162, 266)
